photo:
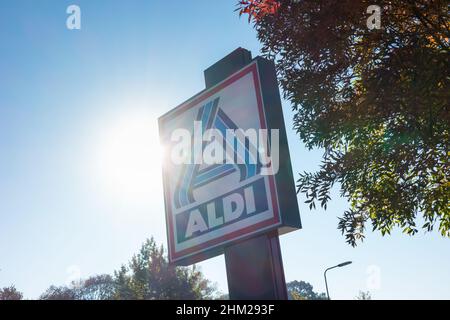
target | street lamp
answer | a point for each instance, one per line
(337, 266)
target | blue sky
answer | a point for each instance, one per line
(80, 182)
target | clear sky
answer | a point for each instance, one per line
(80, 180)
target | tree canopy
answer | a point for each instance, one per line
(148, 276)
(10, 293)
(301, 290)
(375, 100)
(102, 287)
(363, 295)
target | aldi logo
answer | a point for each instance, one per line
(222, 170)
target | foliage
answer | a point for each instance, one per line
(376, 102)
(100, 287)
(223, 296)
(363, 296)
(60, 293)
(148, 276)
(10, 293)
(257, 9)
(301, 290)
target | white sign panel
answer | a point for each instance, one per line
(219, 179)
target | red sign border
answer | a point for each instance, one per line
(238, 234)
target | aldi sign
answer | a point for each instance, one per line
(227, 174)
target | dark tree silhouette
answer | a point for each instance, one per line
(148, 276)
(376, 101)
(100, 287)
(10, 293)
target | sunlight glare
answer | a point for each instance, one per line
(128, 157)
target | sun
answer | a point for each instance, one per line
(127, 157)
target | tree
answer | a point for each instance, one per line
(59, 293)
(376, 101)
(301, 290)
(363, 296)
(10, 293)
(223, 296)
(100, 287)
(148, 276)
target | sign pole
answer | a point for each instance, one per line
(254, 266)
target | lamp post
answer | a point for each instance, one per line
(336, 266)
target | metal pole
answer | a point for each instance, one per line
(254, 266)
(325, 274)
(326, 283)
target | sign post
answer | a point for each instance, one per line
(228, 179)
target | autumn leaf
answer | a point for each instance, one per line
(258, 9)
